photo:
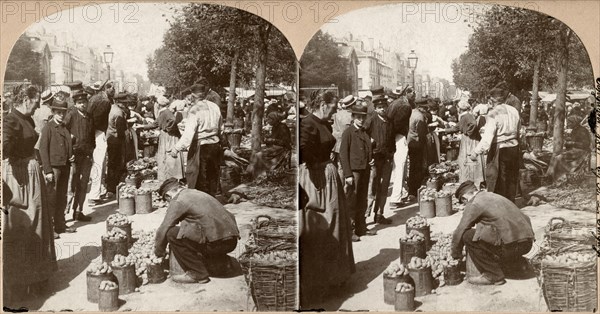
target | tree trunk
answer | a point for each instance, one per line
(534, 91)
(561, 93)
(231, 102)
(259, 107)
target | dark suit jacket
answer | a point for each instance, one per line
(498, 220)
(355, 150)
(55, 146)
(204, 223)
(398, 114)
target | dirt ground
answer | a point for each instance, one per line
(67, 289)
(364, 291)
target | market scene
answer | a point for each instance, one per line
(447, 166)
(150, 173)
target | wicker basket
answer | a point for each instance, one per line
(567, 288)
(265, 231)
(560, 235)
(272, 284)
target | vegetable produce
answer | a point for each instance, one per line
(143, 251)
(416, 222)
(143, 191)
(118, 219)
(428, 195)
(108, 285)
(123, 261)
(115, 234)
(273, 256)
(127, 191)
(97, 267)
(158, 202)
(443, 193)
(404, 287)
(419, 263)
(395, 269)
(571, 259)
(440, 256)
(413, 236)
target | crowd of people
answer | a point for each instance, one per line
(352, 149)
(63, 148)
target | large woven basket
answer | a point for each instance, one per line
(268, 231)
(560, 234)
(568, 288)
(272, 284)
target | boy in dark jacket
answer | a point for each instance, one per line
(56, 152)
(80, 124)
(355, 157)
(380, 130)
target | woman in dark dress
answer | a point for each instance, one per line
(27, 232)
(326, 258)
(469, 127)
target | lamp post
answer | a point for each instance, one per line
(108, 58)
(412, 64)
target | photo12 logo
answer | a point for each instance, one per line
(52, 12)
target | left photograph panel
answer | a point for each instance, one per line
(149, 161)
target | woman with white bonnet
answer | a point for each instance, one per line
(168, 119)
(469, 128)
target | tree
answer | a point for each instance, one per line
(321, 64)
(23, 63)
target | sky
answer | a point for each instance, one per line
(133, 30)
(437, 32)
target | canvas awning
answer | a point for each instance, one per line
(549, 98)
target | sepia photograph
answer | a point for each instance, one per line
(149, 161)
(447, 162)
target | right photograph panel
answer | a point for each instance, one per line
(446, 162)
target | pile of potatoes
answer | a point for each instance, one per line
(413, 237)
(404, 287)
(419, 263)
(97, 267)
(115, 234)
(274, 256)
(570, 259)
(118, 219)
(123, 261)
(395, 269)
(108, 285)
(416, 222)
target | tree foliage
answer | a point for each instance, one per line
(504, 47)
(201, 42)
(23, 63)
(322, 65)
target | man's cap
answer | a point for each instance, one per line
(162, 101)
(464, 188)
(359, 109)
(79, 95)
(198, 88)
(422, 102)
(75, 85)
(47, 95)
(121, 97)
(168, 185)
(380, 99)
(377, 90)
(97, 85)
(464, 105)
(348, 101)
(59, 104)
(398, 90)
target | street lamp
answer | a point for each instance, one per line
(108, 58)
(412, 64)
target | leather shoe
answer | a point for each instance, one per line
(380, 219)
(483, 280)
(79, 216)
(355, 238)
(189, 277)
